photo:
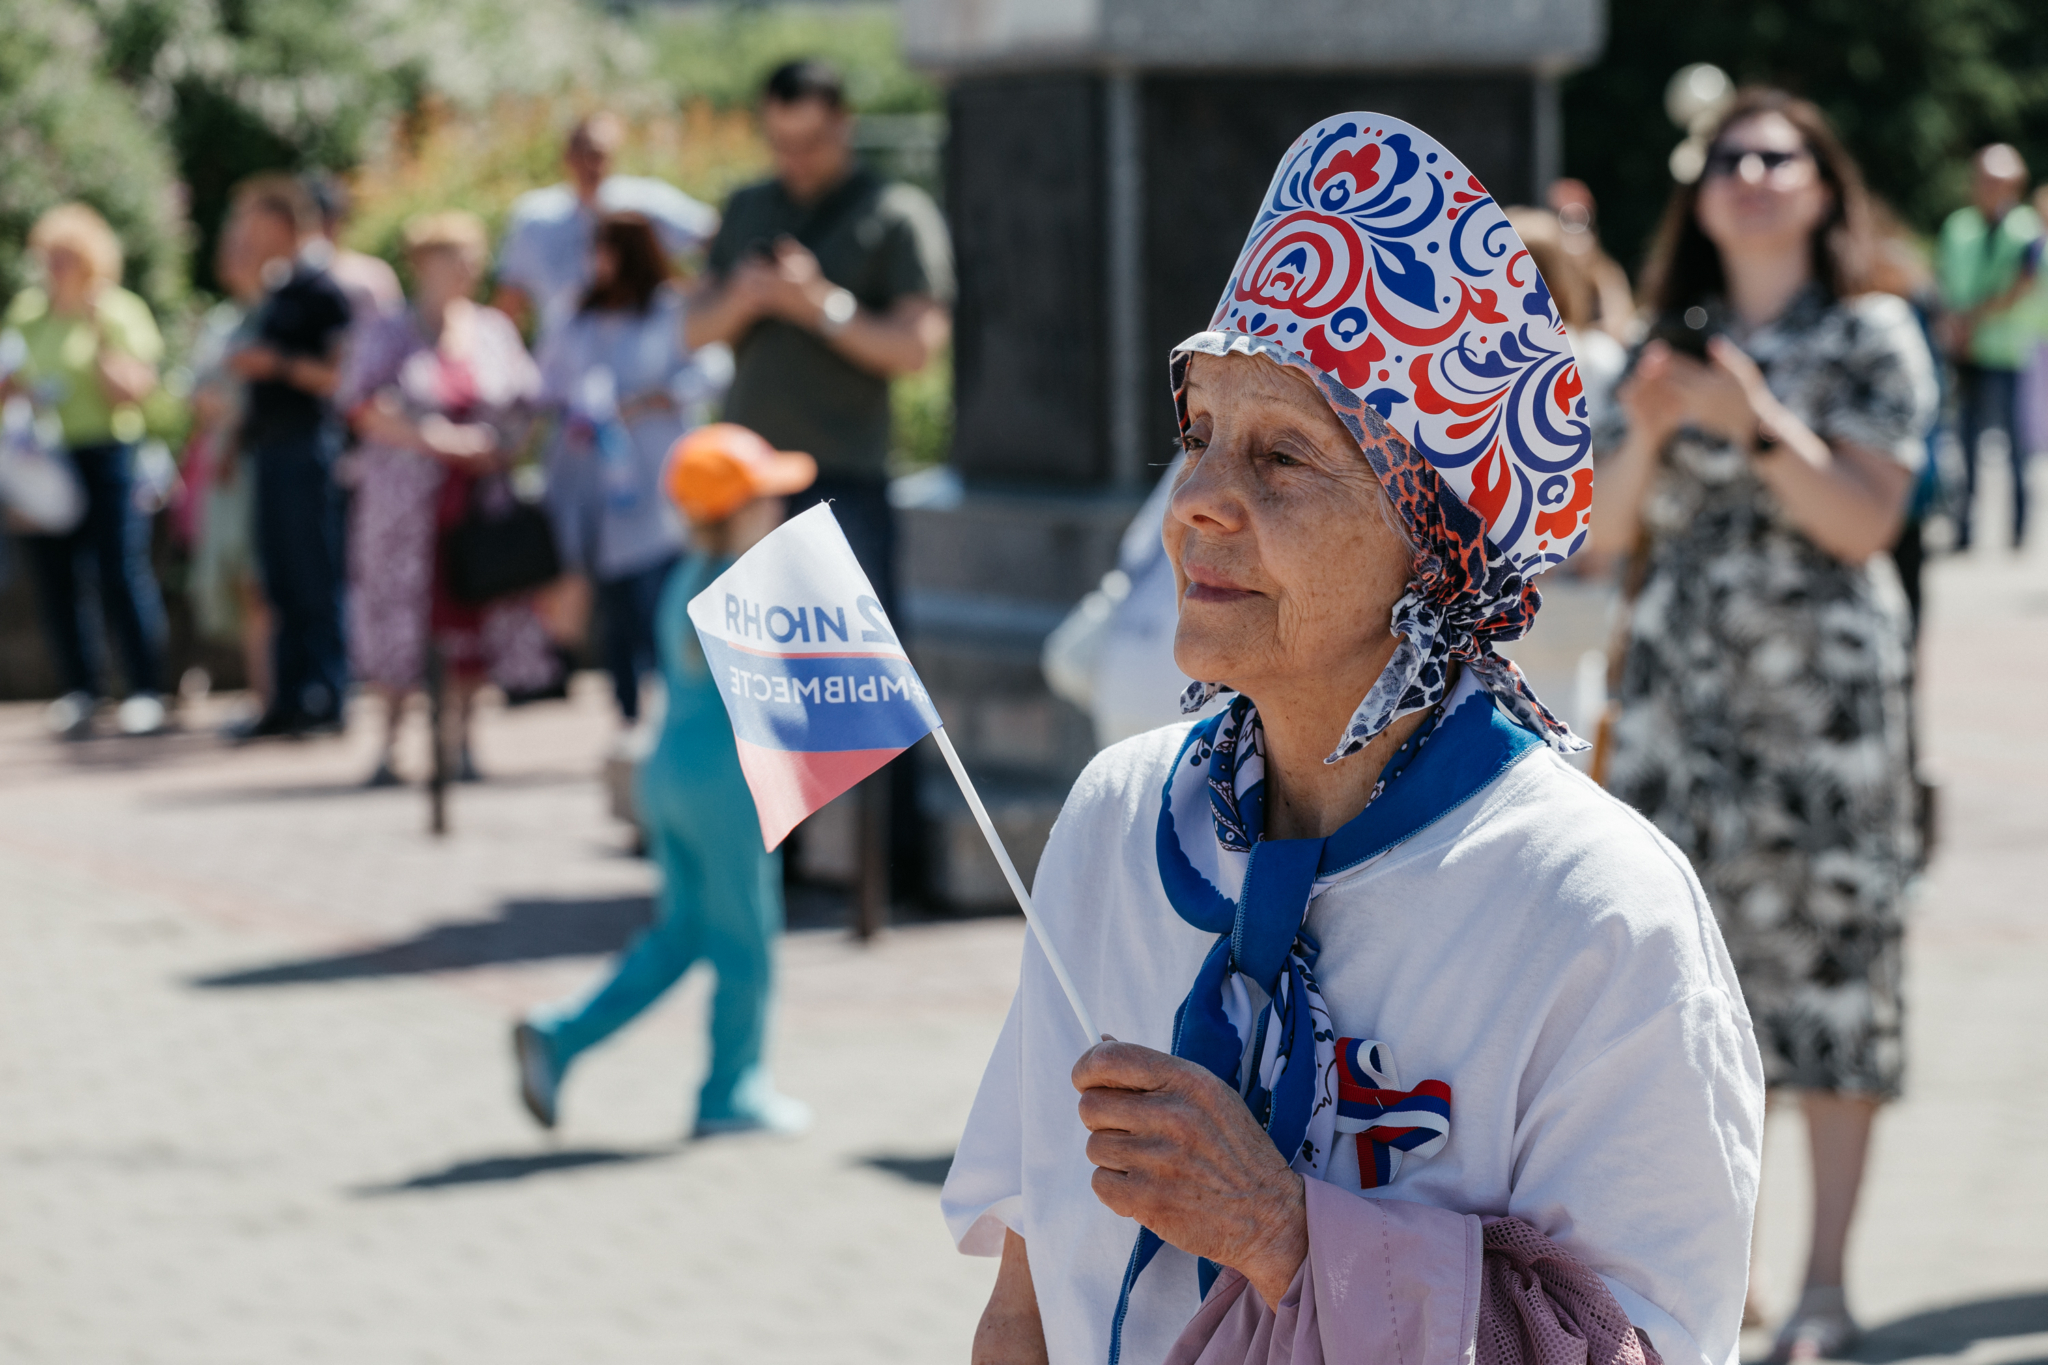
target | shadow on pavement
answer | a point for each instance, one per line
(525, 931)
(492, 1170)
(533, 930)
(919, 1170)
(352, 787)
(1952, 1330)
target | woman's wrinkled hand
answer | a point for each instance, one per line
(1177, 1149)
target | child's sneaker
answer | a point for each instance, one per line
(539, 1078)
(770, 1113)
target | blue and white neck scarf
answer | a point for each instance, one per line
(1255, 1016)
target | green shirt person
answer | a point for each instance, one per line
(1984, 270)
(91, 349)
(1984, 266)
(88, 353)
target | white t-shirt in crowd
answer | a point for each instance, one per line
(1540, 948)
(546, 251)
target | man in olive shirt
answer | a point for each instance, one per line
(828, 283)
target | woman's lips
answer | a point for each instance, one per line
(1206, 585)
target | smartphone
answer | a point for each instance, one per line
(1688, 332)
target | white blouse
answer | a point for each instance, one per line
(1540, 948)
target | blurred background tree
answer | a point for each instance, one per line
(227, 88)
(1913, 85)
(241, 86)
(69, 130)
(152, 110)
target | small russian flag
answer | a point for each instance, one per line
(814, 677)
(820, 691)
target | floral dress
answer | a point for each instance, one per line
(404, 500)
(1763, 721)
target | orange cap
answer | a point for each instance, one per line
(719, 468)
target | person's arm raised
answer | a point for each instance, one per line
(382, 419)
(317, 375)
(1848, 500)
(722, 310)
(900, 340)
(1010, 1331)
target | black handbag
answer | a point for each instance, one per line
(503, 545)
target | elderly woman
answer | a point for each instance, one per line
(90, 357)
(1423, 1045)
(437, 392)
(1763, 722)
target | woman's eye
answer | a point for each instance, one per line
(1193, 444)
(1283, 459)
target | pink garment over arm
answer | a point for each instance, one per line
(1393, 1283)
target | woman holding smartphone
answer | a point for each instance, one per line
(1763, 698)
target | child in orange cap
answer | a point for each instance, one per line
(720, 898)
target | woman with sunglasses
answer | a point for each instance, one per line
(1772, 429)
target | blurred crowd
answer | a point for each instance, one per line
(394, 486)
(400, 486)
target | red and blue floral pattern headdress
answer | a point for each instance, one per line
(1383, 269)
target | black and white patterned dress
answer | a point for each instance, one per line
(1763, 703)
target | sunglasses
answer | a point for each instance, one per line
(1727, 161)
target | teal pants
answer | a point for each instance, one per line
(720, 902)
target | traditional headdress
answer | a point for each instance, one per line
(1381, 267)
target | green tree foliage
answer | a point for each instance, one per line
(723, 53)
(1913, 85)
(921, 406)
(233, 87)
(241, 86)
(68, 130)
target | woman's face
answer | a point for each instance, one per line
(1761, 190)
(235, 263)
(441, 275)
(1282, 544)
(69, 275)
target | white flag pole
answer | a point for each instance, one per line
(995, 846)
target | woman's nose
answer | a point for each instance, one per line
(1203, 499)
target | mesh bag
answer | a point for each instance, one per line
(1539, 1306)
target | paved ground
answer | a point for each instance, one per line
(255, 1103)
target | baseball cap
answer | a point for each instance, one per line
(720, 467)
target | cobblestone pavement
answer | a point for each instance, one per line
(256, 1102)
